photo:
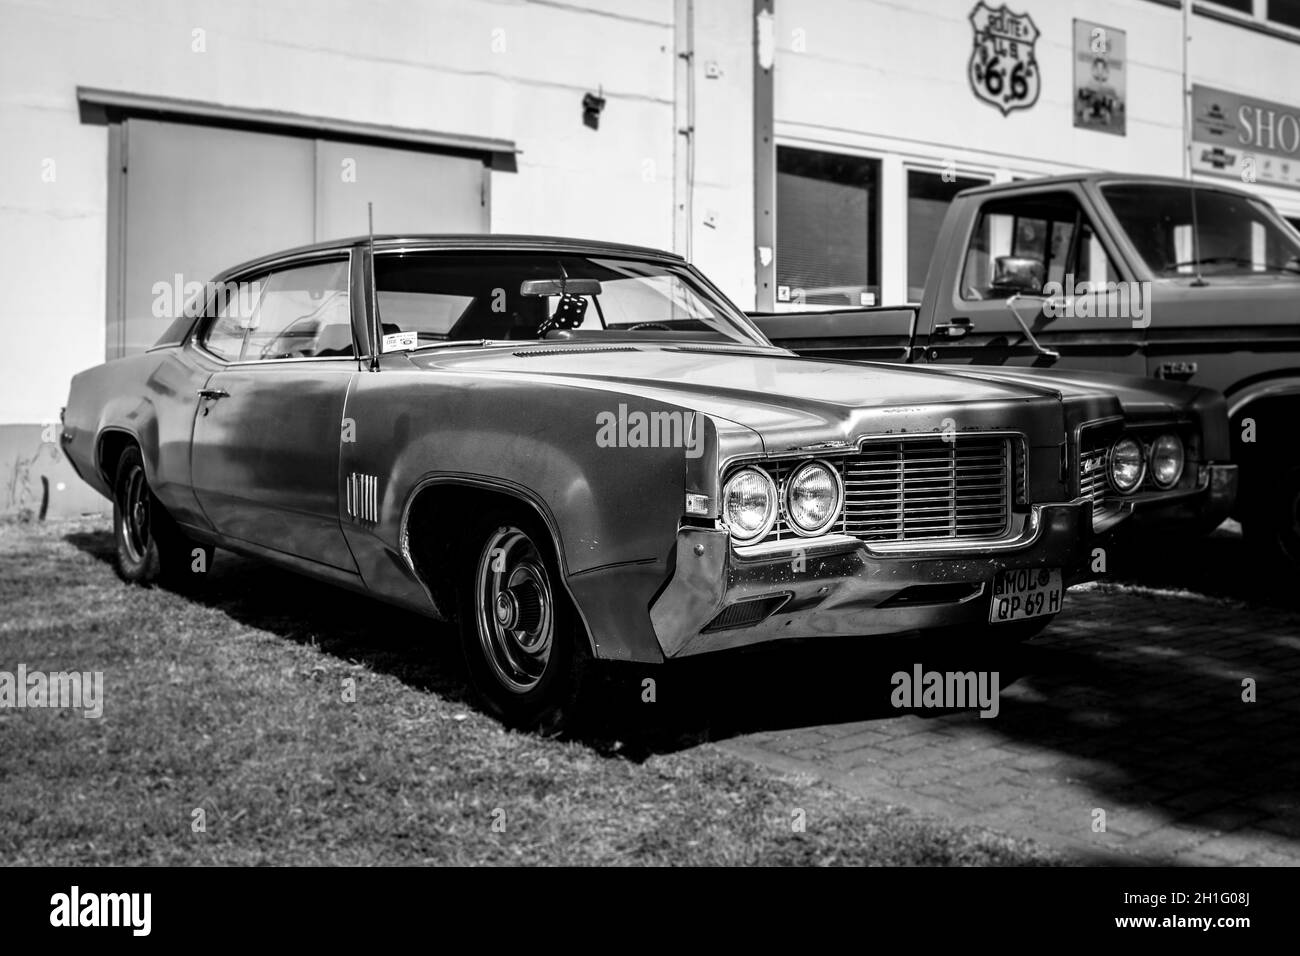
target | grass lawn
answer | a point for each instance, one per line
(232, 702)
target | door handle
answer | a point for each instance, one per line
(213, 393)
(958, 328)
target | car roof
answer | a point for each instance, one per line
(467, 242)
(1100, 177)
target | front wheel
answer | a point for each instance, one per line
(151, 549)
(523, 646)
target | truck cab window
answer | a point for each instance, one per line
(1044, 231)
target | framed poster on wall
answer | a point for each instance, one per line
(1099, 77)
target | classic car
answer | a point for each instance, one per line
(583, 451)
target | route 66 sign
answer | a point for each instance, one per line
(1003, 70)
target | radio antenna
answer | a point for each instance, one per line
(376, 339)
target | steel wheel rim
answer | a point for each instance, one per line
(1290, 536)
(135, 515)
(515, 610)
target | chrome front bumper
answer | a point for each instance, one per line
(838, 585)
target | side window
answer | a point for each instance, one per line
(303, 312)
(1044, 235)
(1090, 263)
(225, 336)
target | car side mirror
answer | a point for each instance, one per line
(1018, 275)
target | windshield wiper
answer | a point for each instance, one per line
(454, 344)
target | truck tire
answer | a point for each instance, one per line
(150, 548)
(523, 643)
(1271, 521)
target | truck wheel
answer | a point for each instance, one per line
(151, 549)
(1273, 526)
(523, 645)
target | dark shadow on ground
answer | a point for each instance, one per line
(1137, 694)
(715, 697)
(1219, 565)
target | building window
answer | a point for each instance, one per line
(1241, 6)
(1280, 12)
(1285, 12)
(928, 197)
(827, 229)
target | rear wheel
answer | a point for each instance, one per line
(151, 549)
(523, 645)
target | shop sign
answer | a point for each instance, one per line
(1245, 138)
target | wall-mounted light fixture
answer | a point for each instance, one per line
(592, 105)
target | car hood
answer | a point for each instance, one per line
(791, 402)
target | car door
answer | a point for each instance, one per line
(267, 432)
(1038, 252)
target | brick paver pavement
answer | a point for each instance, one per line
(1131, 704)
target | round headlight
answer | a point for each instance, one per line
(812, 498)
(749, 504)
(1127, 465)
(1167, 460)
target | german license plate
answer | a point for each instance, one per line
(1023, 593)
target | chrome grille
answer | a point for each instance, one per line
(921, 489)
(928, 488)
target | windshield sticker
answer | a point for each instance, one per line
(401, 341)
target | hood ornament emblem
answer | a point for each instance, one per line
(820, 446)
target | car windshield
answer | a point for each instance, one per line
(429, 297)
(1222, 234)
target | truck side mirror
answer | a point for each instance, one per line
(1017, 275)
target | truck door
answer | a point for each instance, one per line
(1037, 252)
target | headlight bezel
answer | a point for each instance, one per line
(1151, 460)
(773, 509)
(787, 490)
(1141, 460)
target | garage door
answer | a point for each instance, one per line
(195, 199)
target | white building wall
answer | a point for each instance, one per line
(1231, 57)
(506, 70)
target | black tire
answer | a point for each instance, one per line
(1272, 525)
(151, 549)
(524, 646)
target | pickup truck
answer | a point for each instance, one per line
(1136, 275)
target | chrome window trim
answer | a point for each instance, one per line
(342, 254)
